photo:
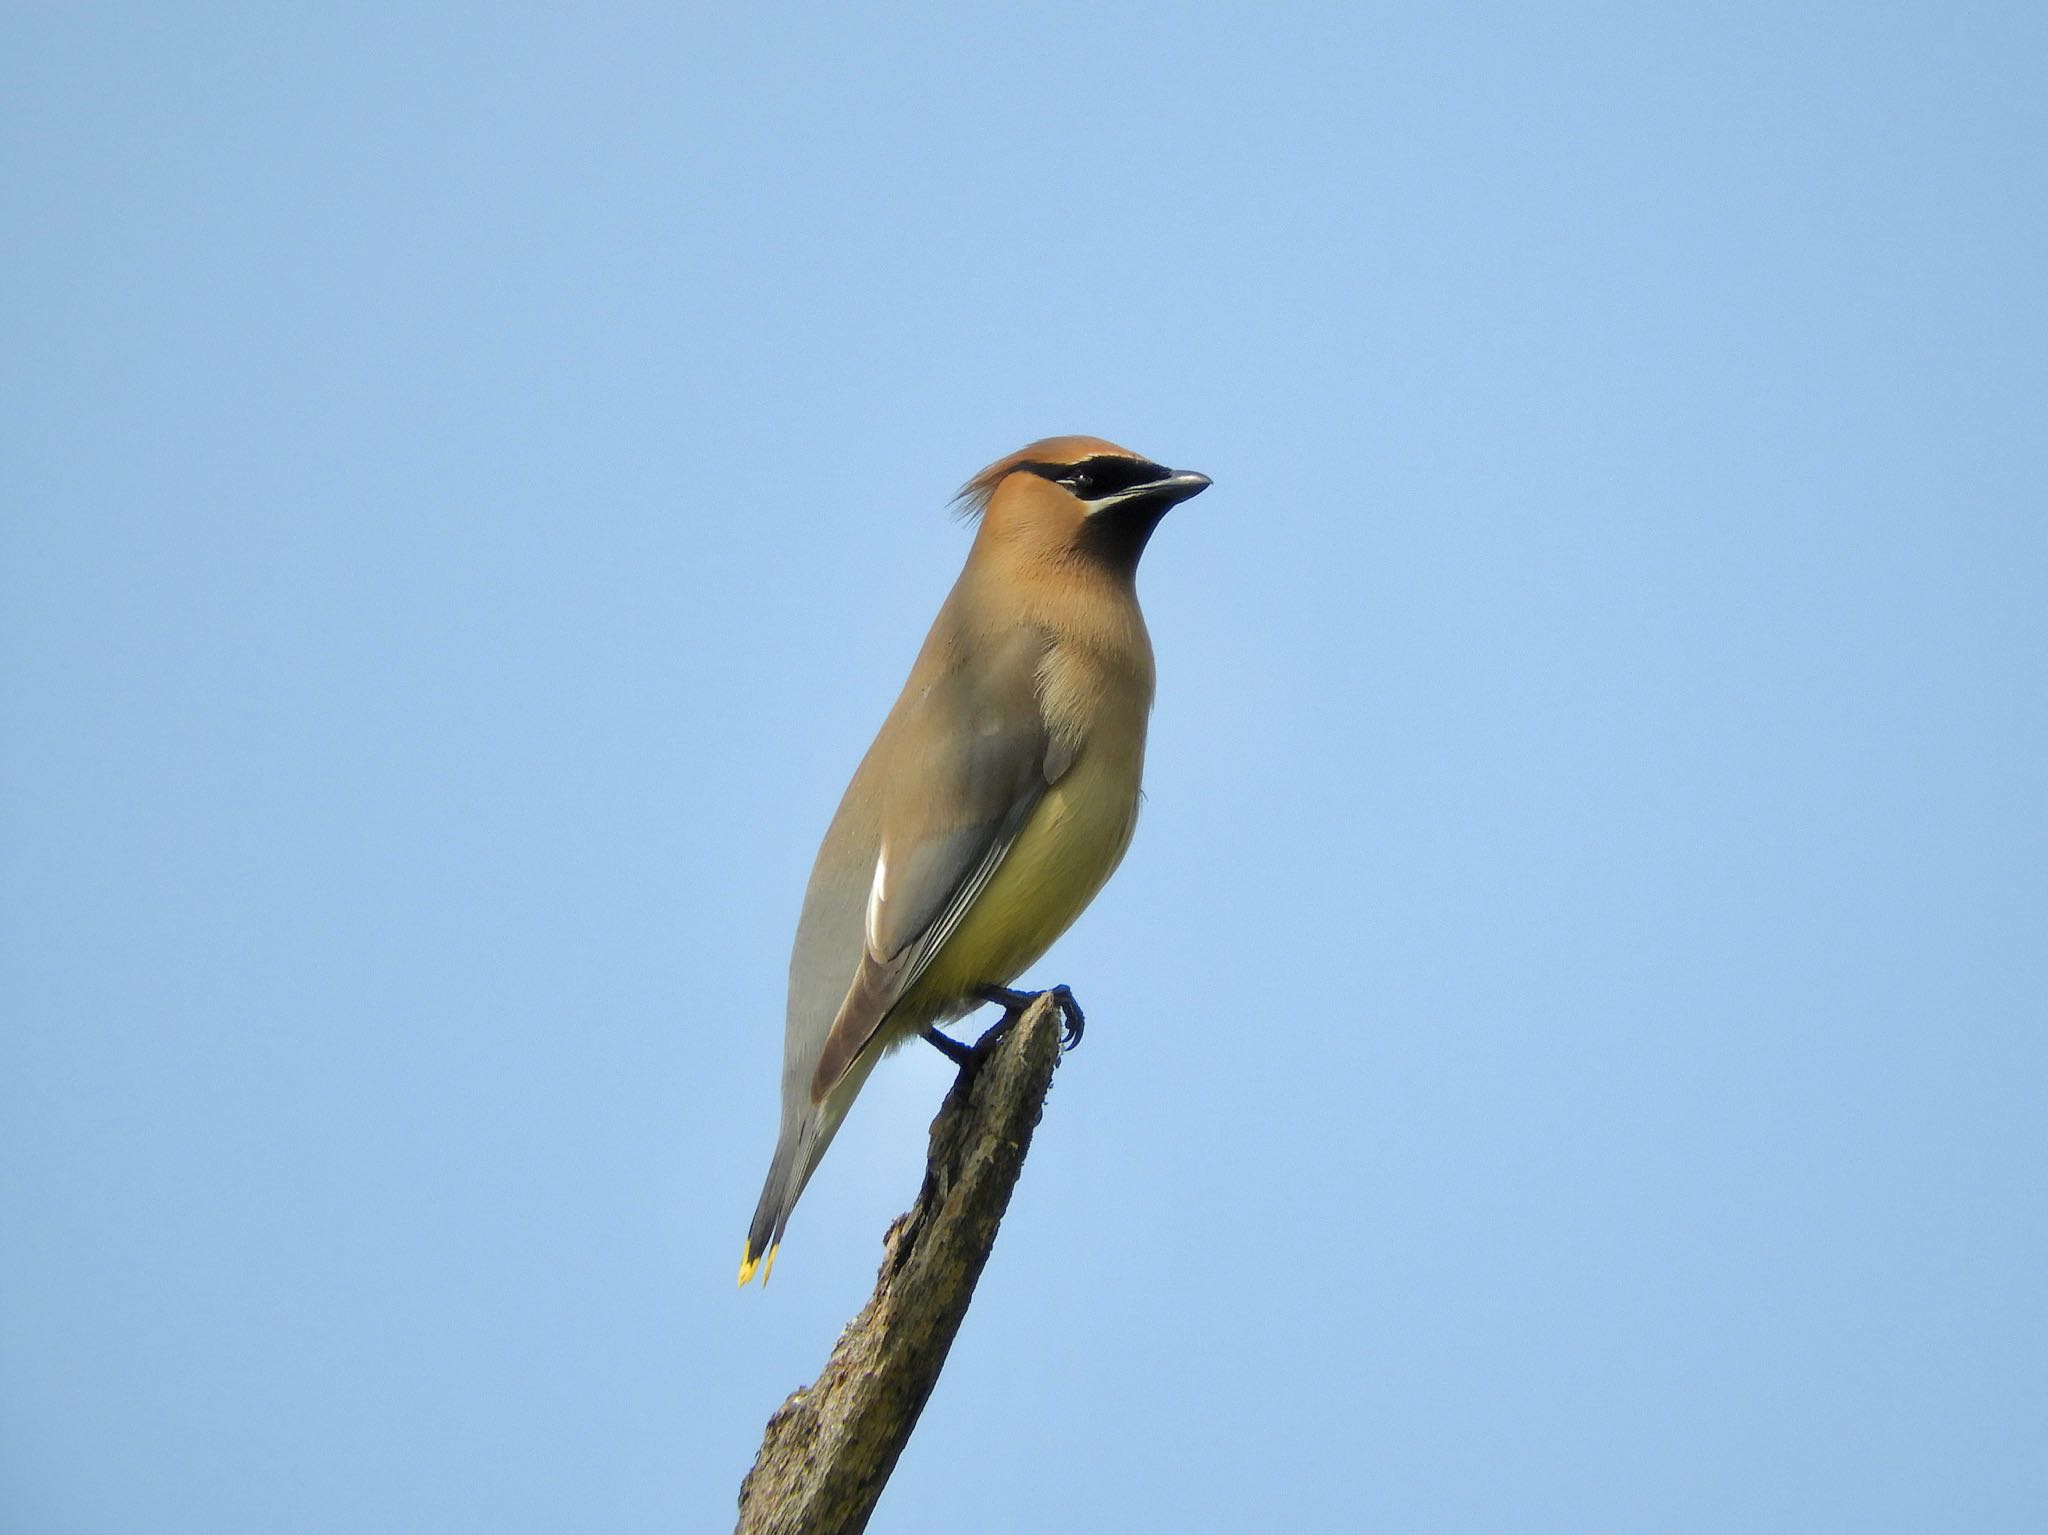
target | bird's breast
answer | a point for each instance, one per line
(1067, 849)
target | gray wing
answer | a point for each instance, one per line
(971, 760)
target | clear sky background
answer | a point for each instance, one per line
(1566, 1049)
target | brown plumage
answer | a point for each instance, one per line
(998, 796)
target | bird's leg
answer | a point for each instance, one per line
(1013, 1003)
(946, 1045)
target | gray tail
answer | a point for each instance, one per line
(807, 1130)
(797, 1154)
(778, 1198)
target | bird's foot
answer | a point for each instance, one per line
(1013, 1003)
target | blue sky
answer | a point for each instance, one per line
(1566, 1049)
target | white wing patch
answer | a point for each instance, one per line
(875, 900)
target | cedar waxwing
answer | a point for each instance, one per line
(997, 798)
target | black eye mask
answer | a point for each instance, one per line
(1103, 475)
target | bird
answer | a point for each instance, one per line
(997, 798)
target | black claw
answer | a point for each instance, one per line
(1072, 1020)
(1013, 1003)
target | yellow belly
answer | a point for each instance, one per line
(1070, 846)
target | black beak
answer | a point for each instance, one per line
(1155, 495)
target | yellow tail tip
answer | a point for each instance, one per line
(748, 1263)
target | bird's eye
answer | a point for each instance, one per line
(1080, 480)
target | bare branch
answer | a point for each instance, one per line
(830, 1448)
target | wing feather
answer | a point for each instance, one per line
(973, 759)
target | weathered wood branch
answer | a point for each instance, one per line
(830, 1447)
